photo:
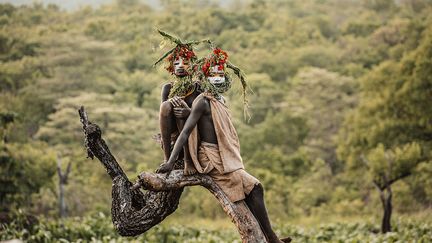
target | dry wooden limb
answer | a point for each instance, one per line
(239, 213)
(134, 212)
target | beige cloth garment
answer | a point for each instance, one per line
(222, 161)
(228, 142)
(236, 185)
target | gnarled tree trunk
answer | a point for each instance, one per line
(63, 180)
(386, 200)
(134, 212)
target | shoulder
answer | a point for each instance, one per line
(201, 99)
(201, 102)
(166, 87)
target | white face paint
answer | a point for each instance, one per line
(216, 80)
(180, 66)
(216, 76)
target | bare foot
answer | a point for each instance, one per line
(286, 240)
(277, 240)
(189, 168)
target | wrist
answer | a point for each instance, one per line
(170, 162)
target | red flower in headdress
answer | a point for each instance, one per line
(206, 67)
(221, 55)
(217, 58)
(183, 51)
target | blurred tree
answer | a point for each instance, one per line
(24, 170)
(123, 119)
(380, 5)
(392, 126)
(322, 99)
(6, 119)
(63, 180)
(386, 167)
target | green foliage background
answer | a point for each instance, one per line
(334, 81)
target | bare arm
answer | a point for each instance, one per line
(198, 109)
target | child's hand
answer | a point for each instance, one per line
(166, 167)
(178, 102)
(181, 113)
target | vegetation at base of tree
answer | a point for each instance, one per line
(98, 228)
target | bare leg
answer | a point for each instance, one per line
(167, 126)
(189, 167)
(255, 202)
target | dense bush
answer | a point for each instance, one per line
(98, 228)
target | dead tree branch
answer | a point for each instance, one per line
(134, 212)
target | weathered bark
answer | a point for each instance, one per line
(385, 193)
(239, 213)
(383, 185)
(134, 212)
(386, 200)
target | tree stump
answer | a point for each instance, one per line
(134, 212)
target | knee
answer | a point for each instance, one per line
(166, 108)
(259, 189)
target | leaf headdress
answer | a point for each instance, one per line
(182, 49)
(182, 86)
(219, 58)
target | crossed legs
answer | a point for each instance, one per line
(169, 124)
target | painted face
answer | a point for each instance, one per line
(180, 67)
(216, 76)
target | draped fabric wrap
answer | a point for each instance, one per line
(222, 161)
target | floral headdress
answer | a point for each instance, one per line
(218, 58)
(182, 49)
